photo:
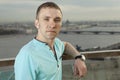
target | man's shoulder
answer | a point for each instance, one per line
(59, 42)
(25, 50)
(27, 47)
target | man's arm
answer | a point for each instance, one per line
(70, 50)
(80, 68)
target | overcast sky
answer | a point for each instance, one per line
(73, 10)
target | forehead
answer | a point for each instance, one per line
(50, 12)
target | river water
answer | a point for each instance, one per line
(10, 44)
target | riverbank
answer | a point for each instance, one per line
(9, 32)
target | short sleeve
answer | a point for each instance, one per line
(24, 67)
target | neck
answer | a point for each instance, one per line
(50, 42)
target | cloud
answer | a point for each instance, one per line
(91, 13)
(73, 10)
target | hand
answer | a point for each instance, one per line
(80, 68)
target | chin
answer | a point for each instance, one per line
(51, 37)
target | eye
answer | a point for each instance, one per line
(46, 19)
(57, 20)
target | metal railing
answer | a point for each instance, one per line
(89, 54)
(92, 65)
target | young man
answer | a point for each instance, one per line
(40, 59)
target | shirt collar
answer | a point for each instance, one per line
(39, 42)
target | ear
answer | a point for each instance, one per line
(36, 23)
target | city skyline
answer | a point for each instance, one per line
(79, 10)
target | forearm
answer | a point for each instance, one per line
(80, 68)
(70, 50)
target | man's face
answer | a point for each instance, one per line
(49, 23)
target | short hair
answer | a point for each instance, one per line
(47, 4)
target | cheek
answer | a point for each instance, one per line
(59, 27)
(41, 26)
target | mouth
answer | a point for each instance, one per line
(51, 31)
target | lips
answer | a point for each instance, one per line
(52, 31)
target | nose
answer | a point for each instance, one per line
(52, 24)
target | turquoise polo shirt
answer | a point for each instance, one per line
(36, 61)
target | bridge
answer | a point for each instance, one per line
(88, 32)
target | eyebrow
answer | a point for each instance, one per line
(50, 17)
(58, 18)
